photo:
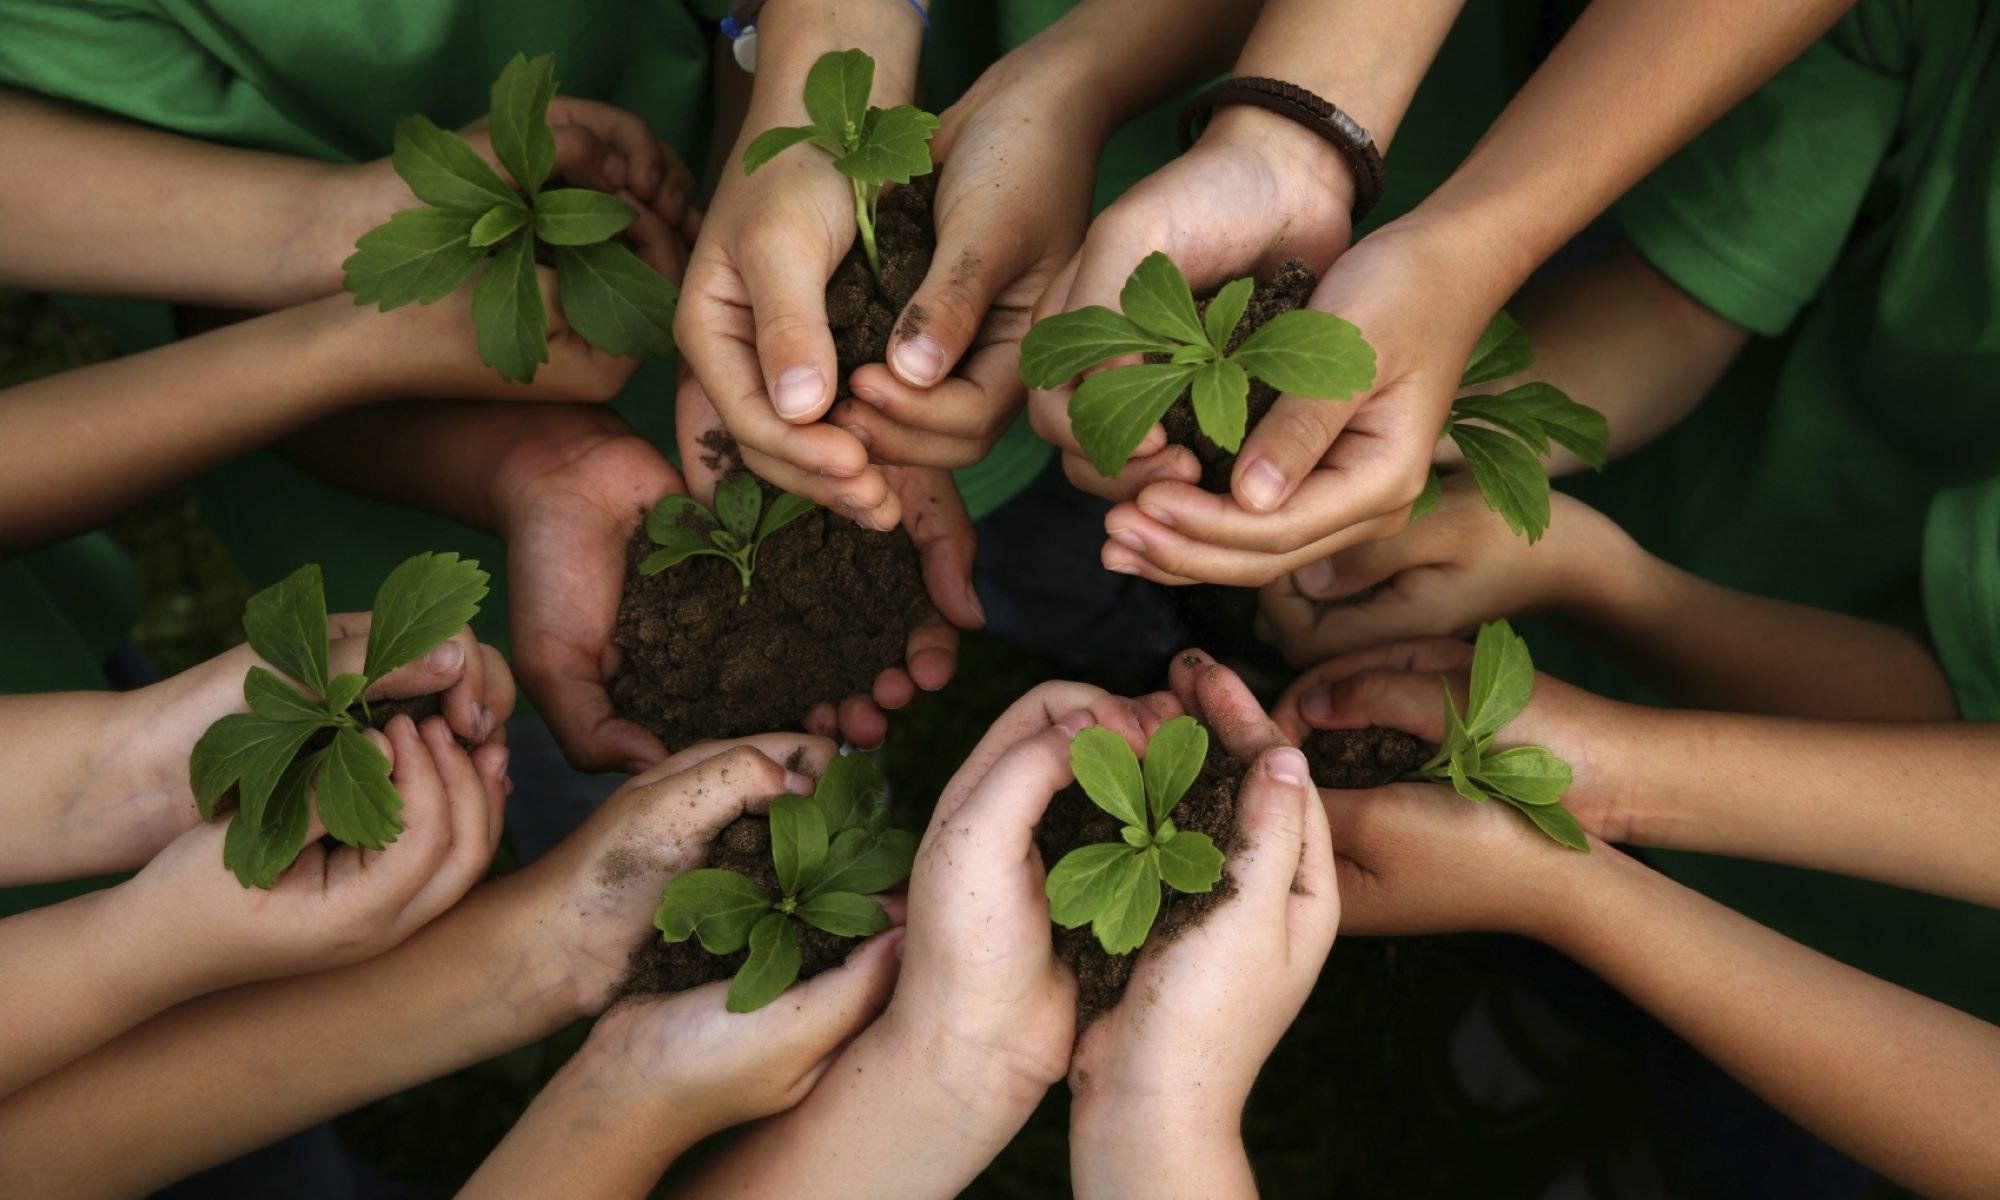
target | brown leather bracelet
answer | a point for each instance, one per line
(1290, 100)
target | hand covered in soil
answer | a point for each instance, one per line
(1449, 571)
(1400, 686)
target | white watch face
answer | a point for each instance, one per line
(745, 48)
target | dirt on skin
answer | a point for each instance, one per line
(863, 310)
(1072, 821)
(1363, 758)
(831, 606)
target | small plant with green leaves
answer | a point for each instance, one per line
(872, 146)
(610, 297)
(1114, 887)
(264, 756)
(1528, 777)
(734, 529)
(831, 852)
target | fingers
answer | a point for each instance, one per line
(1073, 705)
(935, 516)
(822, 1012)
(632, 157)
(426, 837)
(1008, 803)
(1401, 700)
(568, 684)
(468, 838)
(839, 476)
(1283, 448)
(1314, 899)
(811, 753)
(446, 666)
(1224, 703)
(939, 323)
(794, 342)
(1271, 815)
(694, 804)
(862, 722)
(952, 424)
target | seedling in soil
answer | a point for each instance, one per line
(1527, 777)
(1115, 886)
(683, 527)
(872, 146)
(610, 297)
(264, 755)
(832, 850)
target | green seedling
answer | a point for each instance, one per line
(263, 756)
(1528, 777)
(872, 146)
(831, 851)
(1115, 886)
(683, 527)
(610, 297)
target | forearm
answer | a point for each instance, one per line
(1366, 57)
(1169, 1152)
(51, 748)
(1900, 1082)
(1118, 75)
(793, 34)
(194, 1086)
(584, 1139)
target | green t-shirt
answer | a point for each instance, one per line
(1962, 593)
(1851, 209)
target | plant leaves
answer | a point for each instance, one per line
(660, 560)
(419, 254)
(1509, 476)
(771, 968)
(1173, 759)
(1061, 347)
(1502, 350)
(1111, 411)
(1225, 312)
(1429, 497)
(1157, 298)
(1504, 417)
(1189, 862)
(895, 147)
(272, 699)
(718, 906)
(1578, 428)
(1309, 353)
(344, 691)
(1221, 395)
(773, 142)
(1127, 915)
(496, 225)
(425, 600)
(286, 625)
(1503, 680)
(580, 217)
(837, 89)
(1109, 774)
(798, 842)
(259, 848)
(615, 301)
(866, 862)
(1525, 774)
(507, 312)
(784, 509)
(357, 803)
(738, 500)
(522, 139)
(1556, 821)
(1461, 780)
(1136, 837)
(443, 170)
(246, 752)
(848, 790)
(1080, 886)
(844, 914)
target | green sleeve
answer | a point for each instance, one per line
(1962, 593)
(1750, 216)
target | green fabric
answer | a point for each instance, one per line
(1962, 593)
(1853, 204)
(63, 609)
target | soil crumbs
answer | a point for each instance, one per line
(863, 311)
(1363, 758)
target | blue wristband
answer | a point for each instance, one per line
(923, 14)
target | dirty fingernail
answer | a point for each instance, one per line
(449, 656)
(800, 389)
(1076, 722)
(919, 360)
(1287, 765)
(483, 728)
(1315, 578)
(1263, 485)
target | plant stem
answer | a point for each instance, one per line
(745, 565)
(864, 220)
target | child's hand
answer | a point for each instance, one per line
(337, 904)
(1451, 569)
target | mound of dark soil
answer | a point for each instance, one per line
(1363, 758)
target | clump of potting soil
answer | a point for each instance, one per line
(863, 310)
(1363, 758)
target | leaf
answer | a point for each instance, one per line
(357, 803)
(259, 848)
(1502, 350)
(344, 691)
(1428, 498)
(1173, 759)
(246, 752)
(844, 914)
(1225, 312)
(1080, 886)
(1061, 347)
(798, 842)
(1509, 477)
(1136, 837)
(866, 862)
(1127, 916)
(771, 968)
(1461, 779)
(272, 699)
(837, 89)
(1189, 862)
(1578, 428)
(497, 224)
(1526, 775)
(615, 301)
(580, 217)
(784, 509)
(522, 139)
(773, 142)
(286, 625)
(660, 560)
(420, 254)
(1505, 418)
(442, 169)
(738, 500)
(849, 788)
(1111, 411)
(1157, 298)
(1193, 356)
(1556, 821)
(425, 600)
(507, 312)
(718, 906)
(1109, 774)
(1309, 353)
(895, 147)
(1503, 680)
(1221, 395)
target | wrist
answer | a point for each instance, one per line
(1602, 578)
(981, 1093)
(309, 265)
(792, 35)
(1169, 1149)
(1291, 149)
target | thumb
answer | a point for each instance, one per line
(1413, 703)
(1271, 816)
(436, 671)
(826, 1010)
(938, 324)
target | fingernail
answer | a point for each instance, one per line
(800, 389)
(866, 394)
(1315, 578)
(1263, 485)
(919, 360)
(636, 768)
(978, 609)
(1158, 514)
(877, 522)
(1288, 766)
(1076, 722)
(1317, 704)
(860, 435)
(614, 170)
(507, 783)
(1130, 540)
(797, 784)
(505, 756)
(1122, 566)
(486, 721)
(449, 656)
